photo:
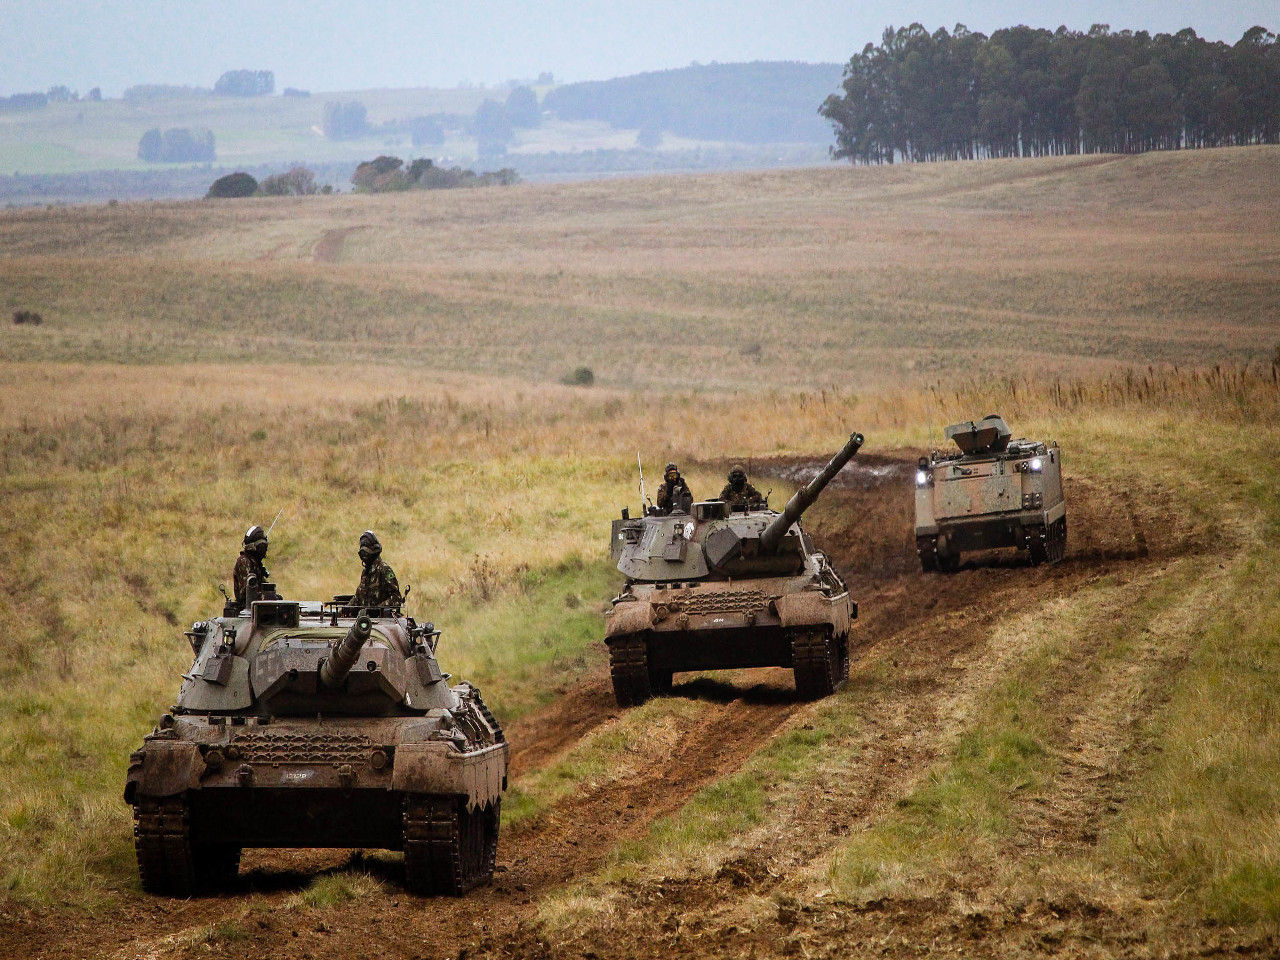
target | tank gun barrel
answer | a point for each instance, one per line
(806, 495)
(336, 666)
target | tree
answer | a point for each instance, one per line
(380, 174)
(492, 127)
(295, 182)
(245, 83)
(345, 121)
(233, 186)
(426, 131)
(522, 108)
(177, 145)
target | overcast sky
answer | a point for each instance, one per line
(327, 45)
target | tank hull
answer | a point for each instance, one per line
(237, 764)
(662, 630)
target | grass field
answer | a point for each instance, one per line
(1079, 760)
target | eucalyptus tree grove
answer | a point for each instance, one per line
(1025, 92)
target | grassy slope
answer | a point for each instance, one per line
(823, 277)
(125, 487)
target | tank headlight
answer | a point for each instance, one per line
(922, 478)
(1036, 465)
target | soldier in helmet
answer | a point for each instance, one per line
(738, 492)
(378, 585)
(673, 492)
(249, 564)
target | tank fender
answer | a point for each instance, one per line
(436, 767)
(163, 768)
(811, 607)
(626, 618)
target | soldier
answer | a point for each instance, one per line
(737, 492)
(249, 564)
(673, 492)
(378, 586)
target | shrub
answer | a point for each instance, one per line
(233, 185)
(581, 377)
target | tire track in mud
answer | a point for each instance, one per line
(328, 248)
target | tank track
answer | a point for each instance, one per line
(629, 671)
(168, 863)
(927, 550)
(1053, 547)
(448, 850)
(820, 662)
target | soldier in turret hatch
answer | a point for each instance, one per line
(673, 492)
(738, 492)
(249, 564)
(378, 586)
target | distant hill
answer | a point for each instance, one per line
(759, 102)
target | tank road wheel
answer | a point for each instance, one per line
(633, 682)
(447, 849)
(819, 664)
(168, 862)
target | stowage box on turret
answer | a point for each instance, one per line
(994, 492)
(720, 588)
(316, 725)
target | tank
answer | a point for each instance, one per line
(717, 588)
(992, 492)
(310, 724)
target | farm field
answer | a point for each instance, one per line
(1076, 760)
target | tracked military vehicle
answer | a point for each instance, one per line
(719, 588)
(993, 491)
(315, 725)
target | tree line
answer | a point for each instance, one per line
(1025, 92)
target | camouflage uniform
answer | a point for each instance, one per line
(742, 496)
(669, 488)
(378, 586)
(247, 566)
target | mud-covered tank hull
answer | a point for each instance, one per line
(299, 725)
(203, 788)
(660, 630)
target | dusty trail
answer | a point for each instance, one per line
(922, 656)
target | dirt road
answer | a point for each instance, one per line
(926, 650)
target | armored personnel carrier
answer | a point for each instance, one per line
(720, 588)
(316, 725)
(991, 492)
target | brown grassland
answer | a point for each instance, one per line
(1080, 761)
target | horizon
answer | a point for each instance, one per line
(323, 47)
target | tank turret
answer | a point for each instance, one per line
(720, 588)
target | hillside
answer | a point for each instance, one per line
(744, 102)
(1075, 760)
(88, 150)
